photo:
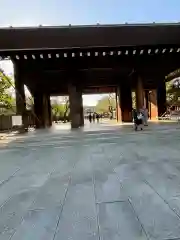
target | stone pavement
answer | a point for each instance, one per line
(108, 183)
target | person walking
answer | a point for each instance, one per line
(97, 117)
(137, 118)
(140, 118)
(90, 118)
(93, 117)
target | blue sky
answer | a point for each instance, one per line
(75, 12)
(63, 12)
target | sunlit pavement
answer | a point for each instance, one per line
(101, 182)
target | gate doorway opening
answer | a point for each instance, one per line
(99, 108)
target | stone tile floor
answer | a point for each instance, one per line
(108, 183)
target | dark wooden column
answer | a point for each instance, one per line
(139, 93)
(42, 110)
(118, 109)
(146, 99)
(38, 110)
(161, 98)
(20, 94)
(76, 106)
(80, 100)
(49, 110)
(153, 109)
(125, 101)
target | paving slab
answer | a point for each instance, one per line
(118, 221)
(38, 224)
(79, 216)
(158, 220)
(12, 212)
(52, 194)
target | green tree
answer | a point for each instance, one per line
(66, 108)
(106, 104)
(6, 99)
(58, 109)
(173, 92)
(61, 108)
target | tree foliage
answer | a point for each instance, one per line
(58, 109)
(6, 99)
(61, 111)
(106, 104)
(173, 92)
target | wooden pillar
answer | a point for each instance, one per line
(38, 108)
(161, 98)
(76, 109)
(20, 95)
(42, 110)
(139, 94)
(118, 109)
(80, 100)
(146, 99)
(153, 109)
(125, 102)
(47, 110)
